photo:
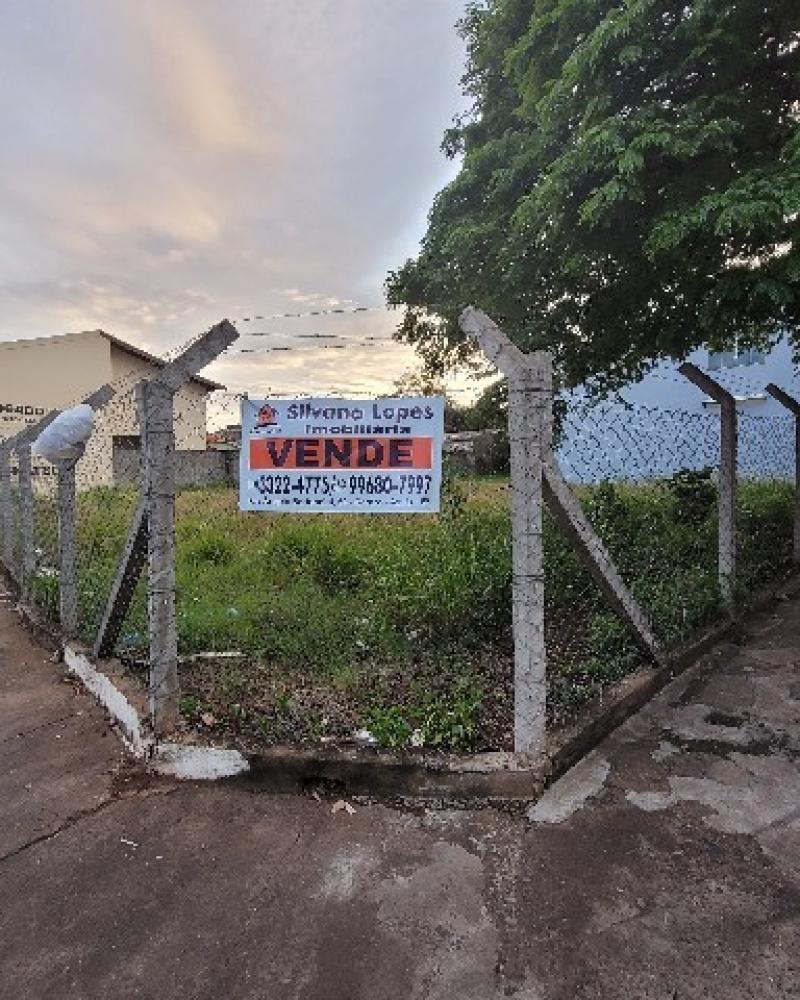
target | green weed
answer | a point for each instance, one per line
(343, 598)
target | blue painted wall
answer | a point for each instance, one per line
(666, 387)
(664, 423)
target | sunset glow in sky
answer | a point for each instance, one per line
(170, 162)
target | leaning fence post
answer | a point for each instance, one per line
(67, 548)
(727, 479)
(530, 403)
(793, 406)
(568, 513)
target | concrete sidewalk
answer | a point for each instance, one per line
(666, 865)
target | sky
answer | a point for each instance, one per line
(167, 163)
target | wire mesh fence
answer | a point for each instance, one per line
(647, 479)
(367, 608)
(311, 627)
(44, 585)
(10, 514)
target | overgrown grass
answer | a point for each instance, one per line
(402, 624)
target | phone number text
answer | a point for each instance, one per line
(343, 488)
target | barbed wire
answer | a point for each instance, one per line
(367, 342)
(743, 376)
(317, 336)
(742, 380)
(328, 311)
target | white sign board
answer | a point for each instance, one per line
(342, 455)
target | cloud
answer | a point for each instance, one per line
(197, 88)
(89, 217)
(170, 162)
(350, 362)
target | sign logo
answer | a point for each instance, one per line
(267, 416)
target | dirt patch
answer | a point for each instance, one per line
(465, 702)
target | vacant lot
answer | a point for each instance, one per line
(402, 624)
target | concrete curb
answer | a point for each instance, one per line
(192, 763)
(490, 777)
(113, 699)
(126, 710)
(500, 779)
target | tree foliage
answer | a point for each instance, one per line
(630, 183)
(423, 382)
(490, 409)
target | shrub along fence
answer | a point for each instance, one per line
(474, 628)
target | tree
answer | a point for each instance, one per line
(420, 382)
(630, 184)
(490, 409)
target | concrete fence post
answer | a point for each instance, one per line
(152, 530)
(726, 559)
(793, 406)
(27, 527)
(530, 404)
(158, 442)
(535, 478)
(67, 548)
(22, 443)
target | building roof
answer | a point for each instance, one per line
(122, 345)
(137, 352)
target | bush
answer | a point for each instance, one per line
(695, 493)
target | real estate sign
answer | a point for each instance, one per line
(342, 455)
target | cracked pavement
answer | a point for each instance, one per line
(665, 865)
